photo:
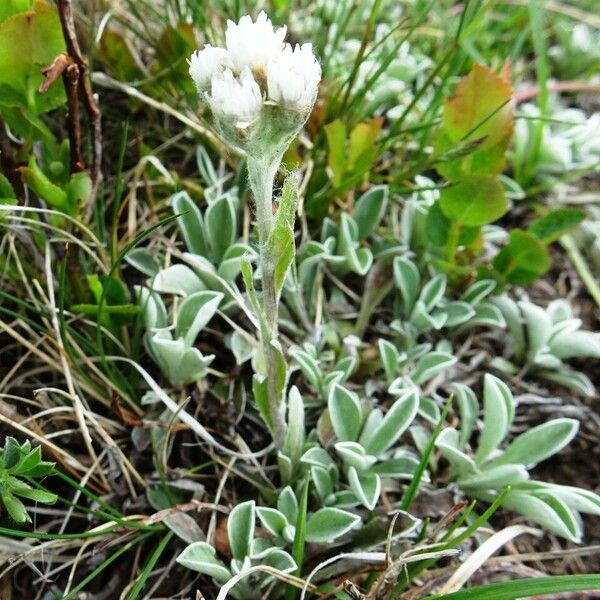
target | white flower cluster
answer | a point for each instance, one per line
(256, 66)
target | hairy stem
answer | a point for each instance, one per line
(262, 176)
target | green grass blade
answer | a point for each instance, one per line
(147, 570)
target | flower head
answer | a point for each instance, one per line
(252, 44)
(238, 98)
(293, 77)
(259, 89)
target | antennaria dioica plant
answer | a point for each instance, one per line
(261, 91)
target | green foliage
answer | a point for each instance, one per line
(484, 470)
(19, 463)
(542, 339)
(29, 41)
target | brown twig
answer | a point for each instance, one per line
(558, 87)
(78, 79)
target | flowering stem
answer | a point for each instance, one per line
(262, 176)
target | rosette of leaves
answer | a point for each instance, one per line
(210, 237)
(325, 525)
(169, 340)
(487, 468)
(321, 370)
(19, 462)
(362, 441)
(569, 142)
(246, 551)
(542, 339)
(424, 307)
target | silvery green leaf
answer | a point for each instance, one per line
(468, 408)
(294, 441)
(456, 313)
(448, 445)
(487, 315)
(416, 352)
(498, 413)
(478, 291)
(143, 261)
(366, 487)
(201, 557)
(408, 281)
(539, 328)
(327, 524)
(430, 365)
(372, 422)
(272, 520)
(331, 379)
(563, 327)
(190, 223)
(433, 292)
(194, 313)
(369, 210)
(345, 412)
(318, 457)
(539, 443)
(286, 467)
(278, 559)
(501, 364)
(394, 424)
(429, 410)
(322, 481)
(576, 498)
(514, 320)
(423, 321)
(287, 503)
(389, 358)
(177, 279)
(571, 379)
(241, 347)
(576, 344)
(353, 454)
(229, 268)
(357, 259)
(547, 360)
(205, 166)
(154, 311)
(204, 269)
(403, 467)
(495, 477)
(180, 363)
(220, 224)
(400, 386)
(345, 365)
(560, 310)
(240, 528)
(309, 366)
(554, 515)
